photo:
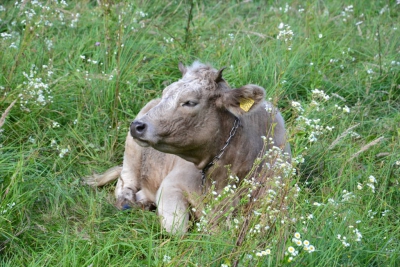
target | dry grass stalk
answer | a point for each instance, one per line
(340, 137)
(382, 154)
(366, 147)
(265, 179)
(3, 117)
(363, 149)
(338, 96)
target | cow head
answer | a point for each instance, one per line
(195, 114)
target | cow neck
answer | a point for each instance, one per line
(221, 151)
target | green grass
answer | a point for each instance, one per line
(91, 93)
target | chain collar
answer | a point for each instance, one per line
(220, 153)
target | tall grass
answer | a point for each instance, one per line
(81, 70)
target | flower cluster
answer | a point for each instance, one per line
(5, 35)
(319, 94)
(345, 109)
(343, 239)
(89, 60)
(168, 39)
(36, 91)
(266, 191)
(371, 214)
(347, 12)
(305, 245)
(62, 151)
(167, 259)
(358, 235)
(9, 207)
(125, 18)
(285, 34)
(74, 20)
(314, 127)
(263, 252)
(370, 183)
(347, 196)
(38, 14)
(297, 106)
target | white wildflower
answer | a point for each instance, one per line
(372, 186)
(13, 45)
(346, 109)
(297, 106)
(53, 142)
(167, 259)
(372, 179)
(358, 234)
(63, 152)
(320, 94)
(31, 139)
(285, 35)
(311, 249)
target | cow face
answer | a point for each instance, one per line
(192, 114)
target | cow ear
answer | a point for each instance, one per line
(241, 100)
(182, 68)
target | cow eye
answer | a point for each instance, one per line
(189, 104)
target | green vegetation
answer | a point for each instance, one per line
(81, 71)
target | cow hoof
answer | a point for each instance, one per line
(126, 207)
(124, 204)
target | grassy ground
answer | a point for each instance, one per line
(81, 71)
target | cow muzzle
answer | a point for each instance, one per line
(138, 129)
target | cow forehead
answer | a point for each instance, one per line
(187, 86)
(198, 81)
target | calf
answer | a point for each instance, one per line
(199, 113)
(198, 127)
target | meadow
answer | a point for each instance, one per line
(73, 75)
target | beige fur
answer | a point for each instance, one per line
(196, 133)
(149, 177)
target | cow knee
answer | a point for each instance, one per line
(175, 222)
(173, 211)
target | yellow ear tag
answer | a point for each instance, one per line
(246, 103)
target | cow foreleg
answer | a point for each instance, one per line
(125, 195)
(128, 183)
(172, 207)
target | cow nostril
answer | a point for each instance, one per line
(138, 128)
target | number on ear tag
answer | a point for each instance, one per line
(246, 103)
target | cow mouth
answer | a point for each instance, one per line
(141, 142)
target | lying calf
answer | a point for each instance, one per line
(182, 143)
